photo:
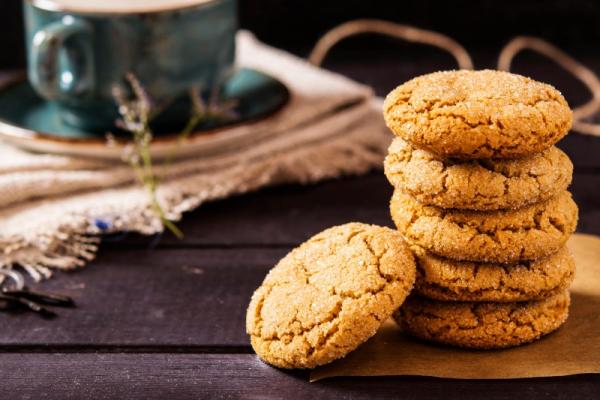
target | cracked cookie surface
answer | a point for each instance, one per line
(449, 280)
(478, 114)
(329, 295)
(477, 184)
(504, 236)
(482, 325)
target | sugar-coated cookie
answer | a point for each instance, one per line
(478, 114)
(489, 184)
(482, 325)
(504, 236)
(449, 280)
(329, 295)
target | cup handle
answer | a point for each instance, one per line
(51, 47)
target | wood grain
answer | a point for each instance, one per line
(193, 295)
(148, 298)
(165, 318)
(209, 376)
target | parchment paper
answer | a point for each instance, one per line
(573, 349)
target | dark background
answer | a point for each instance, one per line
(481, 26)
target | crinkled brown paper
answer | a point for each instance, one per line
(573, 349)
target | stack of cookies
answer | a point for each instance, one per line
(480, 196)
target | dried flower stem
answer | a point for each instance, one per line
(150, 182)
(201, 111)
(135, 118)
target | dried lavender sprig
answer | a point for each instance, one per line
(201, 111)
(135, 116)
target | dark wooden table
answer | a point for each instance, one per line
(165, 319)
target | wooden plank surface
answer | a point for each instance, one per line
(194, 294)
(149, 298)
(225, 376)
(165, 319)
(176, 311)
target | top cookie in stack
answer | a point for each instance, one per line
(480, 194)
(478, 114)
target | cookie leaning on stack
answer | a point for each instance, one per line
(329, 295)
(480, 195)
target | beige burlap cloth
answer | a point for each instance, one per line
(53, 207)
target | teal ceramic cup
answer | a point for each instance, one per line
(78, 52)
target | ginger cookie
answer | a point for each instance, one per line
(478, 114)
(490, 184)
(482, 325)
(329, 295)
(448, 280)
(505, 236)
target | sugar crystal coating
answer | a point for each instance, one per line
(478, 114)
(329, 295)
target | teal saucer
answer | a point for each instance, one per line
(28, 121)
